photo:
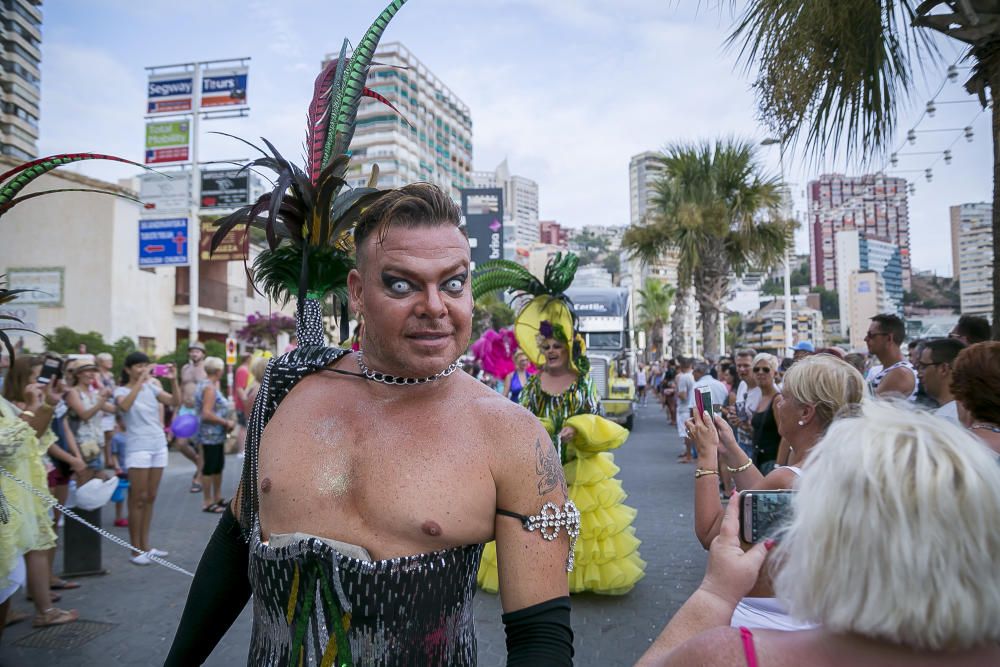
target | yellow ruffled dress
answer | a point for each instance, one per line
(28, 527)
(607, 551)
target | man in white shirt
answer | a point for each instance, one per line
(703, 378)
(747, 398)
(685, 401)
(934, 367)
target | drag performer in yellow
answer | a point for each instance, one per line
(564, 398)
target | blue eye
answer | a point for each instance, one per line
(454, 285)
(399, 286)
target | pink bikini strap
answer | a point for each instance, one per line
(748, 650)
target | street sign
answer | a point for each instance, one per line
(234, 246)
(163, 242)
(168, 141)
(228, 188)
(165, 192)
(230, 351)
(224, 87)
(169, 93)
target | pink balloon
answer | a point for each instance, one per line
(184, 426)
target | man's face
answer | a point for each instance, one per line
(934, 377)
(195, 355)
(414, 292)
(876, 339)
(743, 368)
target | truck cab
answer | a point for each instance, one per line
(604, 323)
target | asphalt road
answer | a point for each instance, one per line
(131, 613)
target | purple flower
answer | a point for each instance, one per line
(545, 329)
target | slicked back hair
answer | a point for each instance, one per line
(892, 325)
(414, 205)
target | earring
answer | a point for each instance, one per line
(801, 423)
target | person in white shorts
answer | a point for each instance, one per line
(138, 400)
(685, 401)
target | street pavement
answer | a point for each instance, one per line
(132, 612)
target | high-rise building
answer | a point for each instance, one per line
(972, 253)
(431, 142)
(520, 203)
(552, 233)
(874, 204)
(643, 171)
(858, 251)
(20, 77)
(868, 299)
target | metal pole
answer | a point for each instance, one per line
(722, 333)
(788, 271)
(194, 232)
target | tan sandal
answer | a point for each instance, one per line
(54, 616)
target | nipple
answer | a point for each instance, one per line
(431, 528)
(265, 484)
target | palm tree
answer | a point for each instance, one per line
(835, 73)
(714, 206)
(654, 311)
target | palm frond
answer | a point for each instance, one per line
(832, 74)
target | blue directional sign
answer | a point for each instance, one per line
(163, 242)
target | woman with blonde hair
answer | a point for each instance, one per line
(908, 578)
(766, 438)
(87, 406)
(816, 389)
(215, 422)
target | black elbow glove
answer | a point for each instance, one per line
(220, 590)
(540, 635)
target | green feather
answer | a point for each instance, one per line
(277, 272)
(345, 109)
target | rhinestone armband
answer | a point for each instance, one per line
(550, 520)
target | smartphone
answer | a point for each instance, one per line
(52, 368)
(703, 401)
(161, 370)
(762, 513)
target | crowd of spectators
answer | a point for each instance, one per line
(885, 556)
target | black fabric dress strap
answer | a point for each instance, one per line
(282, 374)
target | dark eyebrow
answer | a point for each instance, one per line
(460, 267)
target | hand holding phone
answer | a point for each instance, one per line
(763, 513)
(52, 368)
(161, 370)
(703, 401)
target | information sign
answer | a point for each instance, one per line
(229, 188)
(163, 242)
(224, 87)
(234, 245)
(169, 93)
(165, 192)
(167, 141)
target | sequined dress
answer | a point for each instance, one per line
(314, 606)
(607, 551)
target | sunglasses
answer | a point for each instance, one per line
(763, 369)
(872, 334)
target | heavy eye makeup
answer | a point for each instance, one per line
(398, 286)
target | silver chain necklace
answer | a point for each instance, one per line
(396, 380)
(985, 426)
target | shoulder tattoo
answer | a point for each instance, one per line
(548, 468)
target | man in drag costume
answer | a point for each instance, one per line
(563, 397)
(373, 478)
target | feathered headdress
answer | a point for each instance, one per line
(549, 314)
(309, 214)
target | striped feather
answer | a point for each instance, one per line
(346, 106)
(24, 174)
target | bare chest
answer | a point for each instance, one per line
(393, 480)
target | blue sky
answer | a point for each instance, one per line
(566, 90)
